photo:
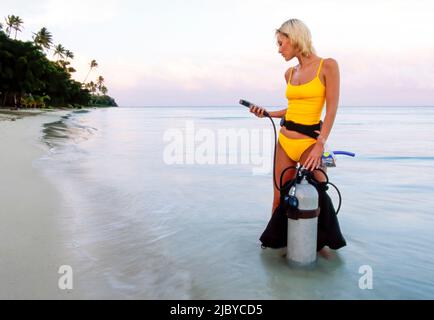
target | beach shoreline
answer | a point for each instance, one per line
(31, 244)
(10, 114)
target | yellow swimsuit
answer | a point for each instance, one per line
(305, 105)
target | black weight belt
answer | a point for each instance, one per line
(308, 130)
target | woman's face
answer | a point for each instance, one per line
(285, 48)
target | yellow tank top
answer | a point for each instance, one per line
(306, 101)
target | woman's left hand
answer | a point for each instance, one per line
(314, 159)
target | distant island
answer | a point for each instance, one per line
(29, 79)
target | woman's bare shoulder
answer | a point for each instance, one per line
(330, 64)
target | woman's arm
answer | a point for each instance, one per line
(277, 114)
(332, 78)
(259, 112)
(332, 81)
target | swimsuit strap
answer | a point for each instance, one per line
(320, 66)
(290, 75)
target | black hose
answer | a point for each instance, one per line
(275, 151)
(281, 178)
(339, 195)
(274, 159)
(328, 183)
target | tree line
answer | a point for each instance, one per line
(28, 78)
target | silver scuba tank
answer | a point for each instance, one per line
(303, 225)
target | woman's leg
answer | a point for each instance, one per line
(282, 162)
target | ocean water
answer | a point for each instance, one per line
(156, 206)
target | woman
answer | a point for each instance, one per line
(310, 84)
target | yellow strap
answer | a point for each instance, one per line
(290, 75)
(320, 66)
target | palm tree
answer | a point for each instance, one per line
(17, 25)
(91, 86)
(65, 65)
(13, 23)
(69, 55)
(104, 90)
(59, 51)
(10, 23)
(100, 83)
(93, 64)
(1, 26)
(43, 38)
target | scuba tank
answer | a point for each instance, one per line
(302, 207)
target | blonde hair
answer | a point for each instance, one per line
(299, 35)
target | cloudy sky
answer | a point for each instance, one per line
(213, 52)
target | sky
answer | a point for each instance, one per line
(214, 52)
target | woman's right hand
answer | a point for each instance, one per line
(258, 111)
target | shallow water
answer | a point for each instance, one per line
(136, 226)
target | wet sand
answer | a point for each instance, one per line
(31, 249)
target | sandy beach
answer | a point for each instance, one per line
(30, 244)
